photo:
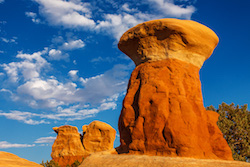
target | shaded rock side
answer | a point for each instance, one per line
(67, 147)
(12, 160)
(163, 114)
(155, 161)
(98, 136)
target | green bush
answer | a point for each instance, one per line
(76, 164)
(234, 123)
(54, 164)
(50, 164)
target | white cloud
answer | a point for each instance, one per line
(5, 144)
(33, 17)
(49, 92)
(45, 140)
(85, 80)
(126, 8)
(74, 112)
(76, 14)
(24, 117)
(57, 55)
(1, 1)
(73, 74)
(117, 24)
(70, 14)
(6, 90)
(12, 40)
(74, 44)
(68, 100)
(29, 66)
(170, 9)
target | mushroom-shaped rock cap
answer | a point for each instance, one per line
(155, 40)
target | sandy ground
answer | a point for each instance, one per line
(11, 160)
(98, 160)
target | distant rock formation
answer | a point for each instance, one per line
(12, 160)
(98, 136)
(70, 145)
(67, 147)
(163, 112)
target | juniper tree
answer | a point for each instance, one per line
(234, 124)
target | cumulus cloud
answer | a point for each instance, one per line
(172, 10)
(76, 14)
(55, 54)
(73, 74)
(51, 93)
(29, 67)
(68, 100)
(73, 44)
(70, 14)
(45, 140)
(42, 91)
(5, 144)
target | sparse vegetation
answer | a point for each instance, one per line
(76, 164)
(50, 164)
(234, 124)
(54, 164)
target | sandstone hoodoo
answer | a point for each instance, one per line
(98, 136)
(163, 112)
(70, 145)
(67, 147)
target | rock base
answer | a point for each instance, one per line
(98, 160)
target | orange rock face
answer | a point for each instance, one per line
(98, 136)
(70, 146)
(67, 147)
(163, 112)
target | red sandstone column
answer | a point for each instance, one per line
(163, 112)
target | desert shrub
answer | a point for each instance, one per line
(50, 164)
(234, 124)
(76, 164)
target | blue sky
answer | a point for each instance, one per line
(60, 63)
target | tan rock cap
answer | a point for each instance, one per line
(161, 39)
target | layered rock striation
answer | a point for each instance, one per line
(70, 145)
(163, 112)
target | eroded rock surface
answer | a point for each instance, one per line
(155, 40)
(70, 145)
(98, 136)
(67, 147)
(163, 112)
